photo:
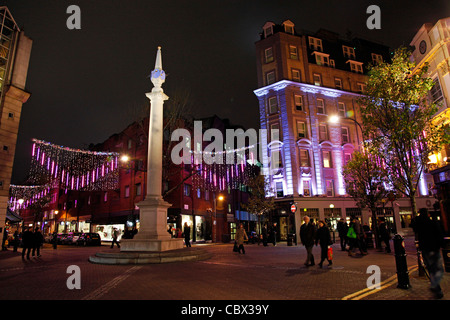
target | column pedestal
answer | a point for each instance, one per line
(152, 235)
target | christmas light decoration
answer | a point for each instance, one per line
(73, 169)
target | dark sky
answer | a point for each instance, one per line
(86, 84)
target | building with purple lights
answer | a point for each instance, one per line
(304, 80)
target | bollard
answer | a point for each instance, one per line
(400, 261)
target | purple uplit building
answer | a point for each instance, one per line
(305, 79)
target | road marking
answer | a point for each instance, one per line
(384, 284)
(96, 294)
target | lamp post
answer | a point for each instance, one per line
(332, 212)
(335, 119)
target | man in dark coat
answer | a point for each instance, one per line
(430, 237)
(342, 228)
(37, 243)
(307, 237)
(187, 234)
(27, 243)
(384, 234)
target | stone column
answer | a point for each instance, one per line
(153, 235)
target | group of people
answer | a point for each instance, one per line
(32, 242)
(310, 235)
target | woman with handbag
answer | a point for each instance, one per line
(323, 238)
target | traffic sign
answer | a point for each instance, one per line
(293, 208)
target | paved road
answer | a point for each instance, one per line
(272, 273)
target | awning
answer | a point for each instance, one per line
(12, 216)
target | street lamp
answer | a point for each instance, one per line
(332, 211)
(336, 119)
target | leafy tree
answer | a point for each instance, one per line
(365, 180)
(396, 116)
(258, 203)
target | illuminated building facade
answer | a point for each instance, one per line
(432, 46)
(303, 80)
(15, 50)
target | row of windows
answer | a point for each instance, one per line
(317, 79)
(272, 106)
(306, 184)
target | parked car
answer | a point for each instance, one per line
(60, 237)
(89, 239)
(72, 238)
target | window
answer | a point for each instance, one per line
(306, 188)
(268, 31)
(321, 106)
(349, 52)
(436, 92)
(130, 143)
(296, 75)
(317, 79)
(275, 158)
(330, 188)
(270, 77)
(10, 115)
(338, 83)
(304, 158)
(288, 28)
(127, 191)
(356, 67)
(293, 54)
(275, 132)
(206, 195)
(138, 189)
(332, 64)
(298, 101)
(279, 189)
(301, 129)
(347, 157)
(326, 158)
(323, 132)
(322, 59)
(315, 44)
(345, 136)
(273, 105)
(187, 190)
(360, 87)
(105, 196)
(268, 55)
(341, 109)
(199, 193)
(376, 58)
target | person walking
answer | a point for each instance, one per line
(356, 242)
(55, 239)
(384, 234)
(27, 243)
(187, 235)
(274, 234)
(307, 237)
(115, 235)
(431, 239)
(323, 238)
(16, 240)
(241, 236)
(5, 240)
(342, 228)
(38, 240)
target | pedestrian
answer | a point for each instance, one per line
(342, 228)
(430, 237)
(16, 240)
(115, 235)
(38, 240)
(187, 235)
(307, 237)
(27, 243)
(241, 236)
(264, 235)
(384, 234)
(323, 238)
(55, 239)
(357, 240)
(5, 240)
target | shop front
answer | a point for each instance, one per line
(197, 224)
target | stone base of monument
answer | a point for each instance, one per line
(147, 257)
(150, 245)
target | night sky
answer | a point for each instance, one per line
(87, 84)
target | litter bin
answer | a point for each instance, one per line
(446, 254)
(290, 239)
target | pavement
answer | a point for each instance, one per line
(272, 275)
